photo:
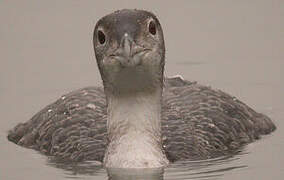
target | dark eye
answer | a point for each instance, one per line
(152, 28)
(101, 37)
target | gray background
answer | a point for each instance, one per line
(46, 51)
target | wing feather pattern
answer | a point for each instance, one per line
(197, 123)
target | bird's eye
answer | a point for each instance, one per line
(101, 37)
(152, 28)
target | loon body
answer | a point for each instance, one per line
(139, 118)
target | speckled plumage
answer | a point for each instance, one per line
(147, 122)
(197, 123)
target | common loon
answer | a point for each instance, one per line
(140, 118)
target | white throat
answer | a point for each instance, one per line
(134, 130)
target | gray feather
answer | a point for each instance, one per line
(197, 123)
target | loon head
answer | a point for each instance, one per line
(130, 51)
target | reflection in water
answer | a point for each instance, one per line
(135, 174)
(89, 168)
(201, 170)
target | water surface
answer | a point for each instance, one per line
(236, 46)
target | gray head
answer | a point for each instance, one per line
(130, 51)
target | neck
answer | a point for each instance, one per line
(134, 130)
